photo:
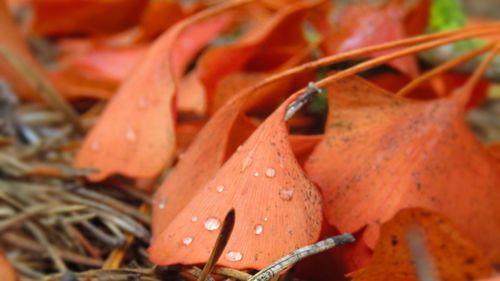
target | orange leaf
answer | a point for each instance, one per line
(135, 135)
(494, 150)
(391, 153)
(417, 244)
(192, 97)
(213, 145)
(158, 16)
(282, 31)
(277, 208)
(6, 271)
(58, 17)
(96, 73)
(224, 132)
(335, 263)
(362, 24)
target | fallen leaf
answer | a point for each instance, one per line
(135, 134)
(419, 245)
(215, 143)
(335, 263)
(283, 31)
(278, 209)
(158, 16)
(96, 73)
(191, 95)
(391, 153)
(363, 24)
(63, 17)
(6, 270)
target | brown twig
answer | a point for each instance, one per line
(46, 90)
(220, 244)
(442, 68)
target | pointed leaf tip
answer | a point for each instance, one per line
(273, 198)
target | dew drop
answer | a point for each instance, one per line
(240, 147)
(212, 224)
(246, 163)
(234, 256)
(187, 240)
(95, 146)
(258, 229)
(256, 174)
(131, 136)
(194, 219)
(220, 188)
(270, 172)
(286, 194)
(163, 203)
(266, 218)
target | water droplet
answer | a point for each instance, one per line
(286, 194)
(194, 219)
(256, 174)
(95, 146)
(131, 136)
(248, 160)
(220, 188)
(270, 172)
(240, 147)
(234, 256)
(258, 229)
(212, 224)
(187, 240)
(246, 163)
(266, 218)
(163, 203)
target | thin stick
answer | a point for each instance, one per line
(23, 216)
(383, 59)
(47, 91)
(452, 36)
(297, 255)
(30, 245)
(302, 100)
(220, 244)
(442, 68)
(233, 273)
(478, 73)
(116, 257)
(58, 262)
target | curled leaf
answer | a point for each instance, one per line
(265, 185)
(392, 153)
(6, 270)
(135, 135)
(58, 17)
(421, 245)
